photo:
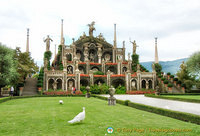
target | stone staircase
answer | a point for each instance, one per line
(30, 87)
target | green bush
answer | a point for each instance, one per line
(179, 82)
(39, 84)
(172, 76)
(166, 82)
(83, 89)
(168, 73)
(169, 85)
(120, 90)
(183, 85)
(159, 76)
(47, 55)
(20, 85)
(175, 79)
(98, 73)
(163, 79)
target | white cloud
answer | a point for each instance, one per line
(176, 23)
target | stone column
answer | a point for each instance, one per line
(91, 77)
(103, 66)
(77, 79)
(108, 77)
(99, 54)
(127, 79)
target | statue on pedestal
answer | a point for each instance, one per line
(48, 40)
(91, 28)
(134, 46)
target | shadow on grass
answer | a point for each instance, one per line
(76, 124)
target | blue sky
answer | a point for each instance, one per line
(176, 23)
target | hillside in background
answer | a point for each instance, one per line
(168, 66)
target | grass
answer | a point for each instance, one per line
(45, 116)
(197, 97)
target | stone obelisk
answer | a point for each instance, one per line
(156, 51)
(114, 45)
(62, 38)
(27, 41)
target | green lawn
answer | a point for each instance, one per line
(197, 97)
(45, 116)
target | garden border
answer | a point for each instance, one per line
(171, 98)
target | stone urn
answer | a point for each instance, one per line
(111, 99)
(88, 92)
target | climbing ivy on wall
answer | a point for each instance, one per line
(48, 55)
(135, 61)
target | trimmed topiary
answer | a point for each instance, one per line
(172, 76)
(168, 73)
(169, 85)
(175, 79)
(166, 82)
(163, 79)
(179, 82)
(159, 76)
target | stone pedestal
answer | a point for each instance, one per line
(111, 99)
(87, 95)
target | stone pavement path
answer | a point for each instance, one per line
(188, 107)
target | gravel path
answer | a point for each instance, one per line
(188, 107)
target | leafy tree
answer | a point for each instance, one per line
(8, 67)
(184, 76)
(193, 64)
(25, 65)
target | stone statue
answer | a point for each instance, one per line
(48, 40)
(101, 37)
(123, 44)
(99, 51)
(134, 46)
(91, 28)
(91, 57)
(99, 83)
(69, 70)
(133, 85)
(54, 85)
(129, 56)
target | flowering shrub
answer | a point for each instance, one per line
(57, 93)
(125, 62)
(61, 93)
(84, 75)
(81, 63)
(111, 63)
(140, 92)
(70, 75)
(95, 63)
(134, 75)
(100, 75)
(121, 75)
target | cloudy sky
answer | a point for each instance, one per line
(176, 23)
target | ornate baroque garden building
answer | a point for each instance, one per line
(91, 60)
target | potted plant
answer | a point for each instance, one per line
(169, 86)
(175, 80)
(166, 82)
(172, 76)
(163, 79)
(168, 75)
(159, 77)
(179, 83)
(39, 85)
(183, 87)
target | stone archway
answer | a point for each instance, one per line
(70, 84)
(112, 69)
(59, 83)
(118, 82)
(50, 84)
(99, 81)
(82, 69)
(95, 69)
(150, 84)
(144, 84)
(133, 84)
(124, 69)
(84, 82)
